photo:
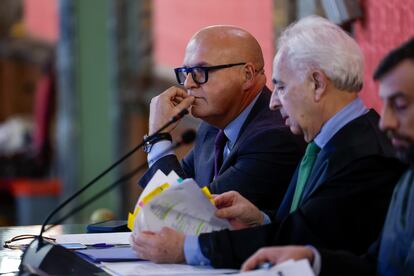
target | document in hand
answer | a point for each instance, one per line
(182, 206)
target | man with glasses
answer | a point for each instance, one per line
(339, 194)
(241, 145)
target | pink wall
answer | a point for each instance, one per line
(175, 21)
(386, 24)
(41, 19)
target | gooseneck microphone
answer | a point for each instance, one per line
(186, 138)
(41, 256)
(174, 119)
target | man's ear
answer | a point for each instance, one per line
(320, 82)
(248, 76)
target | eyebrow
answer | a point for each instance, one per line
(200, 64)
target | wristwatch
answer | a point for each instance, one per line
(154, 139)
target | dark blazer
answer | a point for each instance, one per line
(344, 263)
(343, 205)
(259, 166)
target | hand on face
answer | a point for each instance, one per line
(277, 255)
(166, 105)
(240, 212)
(166, 246)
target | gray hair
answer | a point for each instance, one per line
(316, 43)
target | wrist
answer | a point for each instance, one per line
(150, 140)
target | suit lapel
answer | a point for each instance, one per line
(318, 174)
(205, 167)
(262, 102)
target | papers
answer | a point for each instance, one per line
(170, 201)
(149, 268)
(182, 206)
(288, 268)
(112, 254)
(88, 239)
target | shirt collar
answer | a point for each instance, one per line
(351, 111)
(232, 130)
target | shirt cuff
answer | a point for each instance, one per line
(317, 261)
(159, 150)
(192, 252)
(266, 219)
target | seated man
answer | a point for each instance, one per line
(225, 82)
(340, 200)
(393, 253)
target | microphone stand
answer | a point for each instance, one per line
(40, 255)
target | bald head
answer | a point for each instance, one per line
(227, 44)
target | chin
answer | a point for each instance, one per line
(406, 154)
(295, 130)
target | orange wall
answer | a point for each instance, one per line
(385, 25)
(175, 21)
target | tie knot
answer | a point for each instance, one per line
(221, 139)
(312, 149)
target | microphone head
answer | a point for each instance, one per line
(188, 136)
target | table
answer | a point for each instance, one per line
(10, 259)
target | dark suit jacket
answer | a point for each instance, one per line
(343, 205)
(259, 166)
(344, 263)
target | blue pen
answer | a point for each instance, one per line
(102, 245)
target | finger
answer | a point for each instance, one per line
(254, 261)
(224, 199)
(228, 212)
(144, 238)
(185, 103)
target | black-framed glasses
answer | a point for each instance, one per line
(12, 243)
(199, 73)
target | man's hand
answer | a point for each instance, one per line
(166, 105)
(240, 212)
(166, 246)
(277, 255)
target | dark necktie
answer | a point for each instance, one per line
(219, 144)
(305, 169)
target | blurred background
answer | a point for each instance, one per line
(76, 78)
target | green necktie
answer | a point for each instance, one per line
(305, 169)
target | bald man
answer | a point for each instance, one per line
(224, 83)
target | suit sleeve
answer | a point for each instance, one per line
(343, 263)
(346, 212)
(169, 163)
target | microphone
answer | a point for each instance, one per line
(42, 256)
(186, 138)
(174, 119)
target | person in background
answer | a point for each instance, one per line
(339, 194)
(240, 145)
(393, 253)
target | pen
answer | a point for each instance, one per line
(102, 245)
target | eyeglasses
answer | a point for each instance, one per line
(199, 73)
(11, 244)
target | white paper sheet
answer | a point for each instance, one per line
(93, 238)
(149, 268)
(288, 268)
(183, 207)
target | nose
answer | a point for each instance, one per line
(274, 101)
(388, 120)
(189, 82)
